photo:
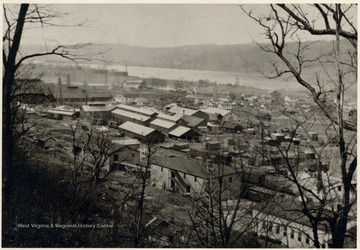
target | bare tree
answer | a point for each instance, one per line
(222, 212)
(150, 150)
(336, 76)
(18, 18)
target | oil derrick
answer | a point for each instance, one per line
(59, 92)
(215, 92)
(68, 83)
(237, 83)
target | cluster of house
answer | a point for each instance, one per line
(187, 169)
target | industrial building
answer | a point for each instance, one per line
(142, 133)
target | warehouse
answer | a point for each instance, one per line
(142, 133)
(140, 111)
(98, 114)
(178, 119)
(163, 125)
(184, 133)
(194, 122)
(63, 112)
(121, 116)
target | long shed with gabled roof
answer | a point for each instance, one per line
(142, 133)
(121, 116)
(182, 132)
(163, 126)
(136, 110)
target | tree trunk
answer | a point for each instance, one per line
(8, 80)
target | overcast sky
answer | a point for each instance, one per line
(151, 25)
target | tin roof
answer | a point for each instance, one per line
(183, 163)
(162, 123)
(126, 142)
(182, 110)
(179, 131)
(136, 109)
(131, 115)
(136, 128)
(211, 110)
(62, 112)
(87, 108)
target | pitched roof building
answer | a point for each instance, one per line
(163, 126)
(184, 133)
(140, 132)
(121, 116)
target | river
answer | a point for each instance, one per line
(252, 80)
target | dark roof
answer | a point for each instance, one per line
(185, 164)
(137, 110)
(231, 125)
(192, 121)
(80, 93)
(131, 115)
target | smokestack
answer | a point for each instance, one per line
(68, 83)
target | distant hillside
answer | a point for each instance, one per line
(244, 58)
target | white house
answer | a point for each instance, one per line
(286, 226)
(177, 171)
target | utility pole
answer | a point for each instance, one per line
(60, 96)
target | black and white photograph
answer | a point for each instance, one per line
(179, 125)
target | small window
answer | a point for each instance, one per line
(285, 231)
(264, 225)
(116, 157)
(299, 236)
(338, 207)
(184, 176)
(292, 234)
(133, 155)
(339, 188)
(278, 229)
(230, 179)
(195, 179)
(307, 240)
(270, 226)
(162, 169)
